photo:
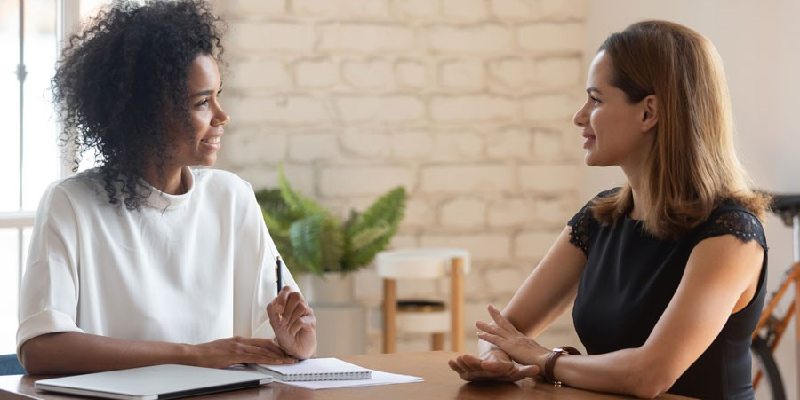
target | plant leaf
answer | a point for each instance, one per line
(306, 237)
(372, 230)
(299, 205)
(332, 244)
(274, 207)
(284, 245)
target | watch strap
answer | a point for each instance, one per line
(550, 363)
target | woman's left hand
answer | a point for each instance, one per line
(294, 323)
(504, 335)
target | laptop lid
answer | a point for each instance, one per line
(155, 382)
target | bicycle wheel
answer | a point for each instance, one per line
(771, 385)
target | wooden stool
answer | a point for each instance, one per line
(423, 316)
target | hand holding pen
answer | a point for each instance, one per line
(292, 319)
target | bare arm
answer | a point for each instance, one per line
(549, 290)
(76, 352)
(544, 296)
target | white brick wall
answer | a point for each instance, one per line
(466, 103)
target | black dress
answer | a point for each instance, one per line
(629, 279)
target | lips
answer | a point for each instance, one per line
(589, 139)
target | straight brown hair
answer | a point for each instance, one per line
(692, 166)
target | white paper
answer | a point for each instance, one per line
(378, 378)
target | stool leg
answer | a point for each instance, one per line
(437, 341)
(457, 304)
(389, 315)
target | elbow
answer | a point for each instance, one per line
(651, 386)
(29, 360)
(649, 392)
(33, 358)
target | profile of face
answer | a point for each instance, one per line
(206, 117)
(617, 132)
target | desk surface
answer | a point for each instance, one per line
(440, 383)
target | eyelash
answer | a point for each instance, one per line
(205, 101)
(594, 100)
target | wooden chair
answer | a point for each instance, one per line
(423, 315)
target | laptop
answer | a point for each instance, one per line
(167, 381)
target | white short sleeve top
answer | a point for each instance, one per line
(189, 268)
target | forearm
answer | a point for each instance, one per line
(74, 352)
(627, 371)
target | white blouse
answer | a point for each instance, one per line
(190, 268)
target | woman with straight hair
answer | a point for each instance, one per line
(666, 274)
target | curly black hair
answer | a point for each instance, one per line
(122, 82)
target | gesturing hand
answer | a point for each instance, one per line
(493, 365)
(504, 335)
(294, 323)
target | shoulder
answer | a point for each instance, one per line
(218, 176)
(223, 190)
(68, 198)
(606, 193)
(732, 218)
(583, 223)
(221, 180)
(79, 188)
(585, 211)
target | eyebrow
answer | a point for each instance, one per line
(206, 92)
(593, 89)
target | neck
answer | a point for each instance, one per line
(171, 182)
(639, 203)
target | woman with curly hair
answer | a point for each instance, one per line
(145, 260)
(665, 275)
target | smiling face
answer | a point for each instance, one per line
(206, 117)
(617, 132)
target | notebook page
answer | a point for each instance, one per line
(378, 378)
(315, 369)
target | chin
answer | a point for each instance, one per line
(209, 160)
(592, 160)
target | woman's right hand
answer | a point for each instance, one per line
(223, 353)
(494, 365)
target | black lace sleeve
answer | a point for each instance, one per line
(579, 236)
(582, 222)
(737, 222)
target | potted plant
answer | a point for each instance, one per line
(321, 250)
(312, 240)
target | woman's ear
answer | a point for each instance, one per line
(650, 112)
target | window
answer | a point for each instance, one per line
(31, 158)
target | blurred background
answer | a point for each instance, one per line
(465, 103)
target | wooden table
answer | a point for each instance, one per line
(440, 383)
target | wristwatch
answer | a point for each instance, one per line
(550, 364)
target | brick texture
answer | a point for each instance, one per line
(465, 103)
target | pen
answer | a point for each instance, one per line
(279, 274)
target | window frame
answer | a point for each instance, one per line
(67, 17)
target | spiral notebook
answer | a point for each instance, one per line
(316, 369)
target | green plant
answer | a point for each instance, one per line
(311, 239)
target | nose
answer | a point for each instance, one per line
(581, 117)
(220, 117)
